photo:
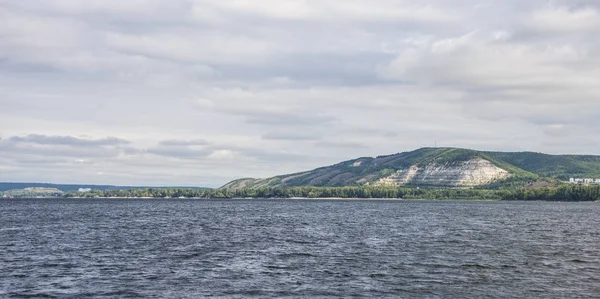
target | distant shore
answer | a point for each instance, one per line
(236, 198)
(267, 198)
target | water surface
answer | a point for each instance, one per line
(124, 248)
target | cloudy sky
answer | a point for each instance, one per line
(199, 92)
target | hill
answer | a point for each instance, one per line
(438, 167)
(6, 186)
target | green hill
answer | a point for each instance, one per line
(561, 167)
(439, 167)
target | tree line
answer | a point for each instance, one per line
(561, 193)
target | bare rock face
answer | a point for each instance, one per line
(475, 172)
(401, 177)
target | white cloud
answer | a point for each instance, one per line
(332, 10)
(566, 20)
(204, 91)
(477, 64)
(132, 9)
(203, 47)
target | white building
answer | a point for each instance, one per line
(586, 181)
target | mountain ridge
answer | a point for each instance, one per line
(437, 167)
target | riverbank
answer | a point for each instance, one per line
(267, 198)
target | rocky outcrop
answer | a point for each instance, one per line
(475, 172)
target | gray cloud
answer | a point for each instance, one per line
(270, 156)
(180, 152)
(291, 135)
(68, 140)
(340, 144)
(288, 119)
(201, 91)
(36, 147)
(184, 142)
(200, 150)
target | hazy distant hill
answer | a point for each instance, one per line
(5, 186)
(438, 167)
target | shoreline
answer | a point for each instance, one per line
(269, 198)
(301, 198)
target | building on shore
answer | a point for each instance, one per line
(584, 181)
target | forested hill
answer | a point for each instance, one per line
(438, 167)
(561, 167)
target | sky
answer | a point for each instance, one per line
(200, 92)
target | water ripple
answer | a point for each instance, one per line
(291, 248)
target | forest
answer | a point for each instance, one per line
(560, 193)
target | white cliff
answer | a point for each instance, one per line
(475, 172)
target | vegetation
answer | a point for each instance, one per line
(554, 166)
(32, 192)
(559, 193)
(445, 155)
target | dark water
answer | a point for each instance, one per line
(253, 248)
